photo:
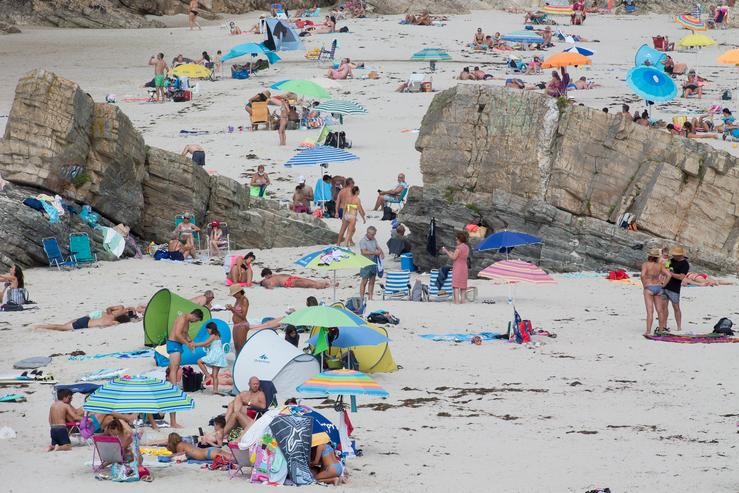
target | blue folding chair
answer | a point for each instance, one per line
(399, 200)
(446, 290)
(54, 254)
(322, 193)
(397, 285)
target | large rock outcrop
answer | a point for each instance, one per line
(58, 140)
(517, 160)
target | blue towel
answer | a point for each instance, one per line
(485, 336)
(140, 353)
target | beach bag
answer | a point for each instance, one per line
(11, 307)
(382, 317)
(180, 96)
(724, 326)
(355, 305)
(344, 30)
(161, 255)
(417, 293)
(18, 296)
(726, 95)
(388, 214)
(192, 381)
(124, 473)
(332, 139)
(617, 275)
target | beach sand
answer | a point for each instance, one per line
(599, 406)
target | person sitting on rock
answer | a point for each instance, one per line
(271, 281)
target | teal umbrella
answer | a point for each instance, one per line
(305, 88)
(431, 55)
(342, 107)
(252, 49)
(137, 394)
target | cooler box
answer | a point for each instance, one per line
(406, 262)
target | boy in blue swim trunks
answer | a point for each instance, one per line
(177, 338)
(62, 412)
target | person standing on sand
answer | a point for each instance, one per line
(239, 310)
(369, 247)
(160, 75)
(284, 116)
(192, 15)
(653, 276)
(679, 268)
(459, 266)
(341, 200)
(177, 338)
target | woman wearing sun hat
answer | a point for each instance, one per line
(651, 272)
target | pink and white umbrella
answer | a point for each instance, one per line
(516, 271)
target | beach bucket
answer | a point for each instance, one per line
(406, 262)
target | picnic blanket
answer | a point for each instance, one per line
(460, 337)
(693, 338)
(139, 353)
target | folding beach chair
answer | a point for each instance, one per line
(436, 294)
(225, 241)
(195, 234)
(328, 53)
(259, 114)
(108, 449)
(54, 254)
(397, 285)
(80, 249)
(322, 193)
(270, 396)
(414, 82)
(240, 459)
(399, 200)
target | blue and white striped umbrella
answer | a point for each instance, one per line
(342, 107)
(523, 37)
(138, 395)
(431, 55)
(319, 155)
(580, 50)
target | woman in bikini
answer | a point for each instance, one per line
(192, 15)
(652, 274)
(177, 446)
(239, 310)
(478, 41)
(284, 116)
(327, 468)
(186, 231)
(352, 207)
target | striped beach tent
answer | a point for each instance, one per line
(342, 107)
(138, 394)
(319, 155)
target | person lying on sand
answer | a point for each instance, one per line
(204, 299)
(271, 281)
(583, 83)
(479, 74)
(62, 412)
(86, 322)
(673, 68)
(688, 132)
(698, 279)
(177, 446)
(514, 83)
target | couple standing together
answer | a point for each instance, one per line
(662, 279)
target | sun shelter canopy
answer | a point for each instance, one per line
(646, 55)
(268, 356)
(161, 311)
(281, 35)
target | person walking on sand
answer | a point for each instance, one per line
(459, 266)
(160, 75)
(341, 200)
(353, 208)
(284, 116)
(679, 268)
(192, 14)
(239, 310)
(653, 275)
(177, 338)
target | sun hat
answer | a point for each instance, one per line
(301, 179)
(235, 288)
(215, 224)
(677, 251)
(654, 252)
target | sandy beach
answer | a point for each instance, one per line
(598, 406)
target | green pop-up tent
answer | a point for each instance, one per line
(160, 313)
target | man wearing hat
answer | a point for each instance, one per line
(307, 189)
(679, 268)
(239, 310)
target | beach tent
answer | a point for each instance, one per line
(160, 313)
(280, 35)
(646, 55)
(268, 356)
(371, 359)
(188, 357)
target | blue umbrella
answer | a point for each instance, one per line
(523, 37)
(319, 155)
(320, 422)
(646, 55)
(431, 55)
(651, 84)
(252, 49)
(350, 337)
(505, 240)
(581, 50)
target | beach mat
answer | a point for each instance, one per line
(693, 338)
(485, 336)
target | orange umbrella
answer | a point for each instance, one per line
(566, 59)
(731, 57)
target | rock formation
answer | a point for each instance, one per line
(518, 161)
(58, 140)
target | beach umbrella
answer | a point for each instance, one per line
(505, 241)
(320, 154)
(523, 37)
(566, 59)
(697, 41)
(320, 316)
(350, 337)
(651, 84)
(431, 55)
(191, 70)
(113, 241)
(342, 107)
(305, 88)
(689, 22)
(731, 57)
(558, 9)
(321, 424)
(138, 394)
(342, 382)
(334, 258)
(579, 49)
(252, 49)
(516, 271)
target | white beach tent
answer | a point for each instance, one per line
(268, 356)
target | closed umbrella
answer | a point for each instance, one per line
(191, 70)
(651, 84)
(689, 22)
(252, 49)
(566, 59)
(137, 394)
(334, 258)
(305, 88)
(431, 55)
(320, 154)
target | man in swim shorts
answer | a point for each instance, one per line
(271, 281)
(243, 409)
(197, 152)
(160, 75)
(62, 412)
(177, 338)
(106, 320)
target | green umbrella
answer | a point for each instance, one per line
(320, 316)
(303, 88)
(334, 258)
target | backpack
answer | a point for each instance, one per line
(382, 317)
(724, 326)
(332, 139)
(388, 214)
(344, 30)
(355, 305)
(192, 381)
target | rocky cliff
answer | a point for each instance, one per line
(58, 140)
(518, 161)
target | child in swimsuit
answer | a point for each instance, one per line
(177, 446)
(331, 469)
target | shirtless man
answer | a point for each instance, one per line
(393, 193)
(192, 15)
(342, 198)
(271, 281)
(653, 272)
(478, 40)
(177, 338)
(160, 75)
(242, 409)
(87, 322)
(177, 248)
(60, 413)
(239, 311)
(204, 299)
(197, 152)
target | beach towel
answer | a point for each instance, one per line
(693, 338)
(191, 133)
(102, 374)
(293, 434)
(139, 353)
(12, 398)
(461, 337)
(32, 363)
